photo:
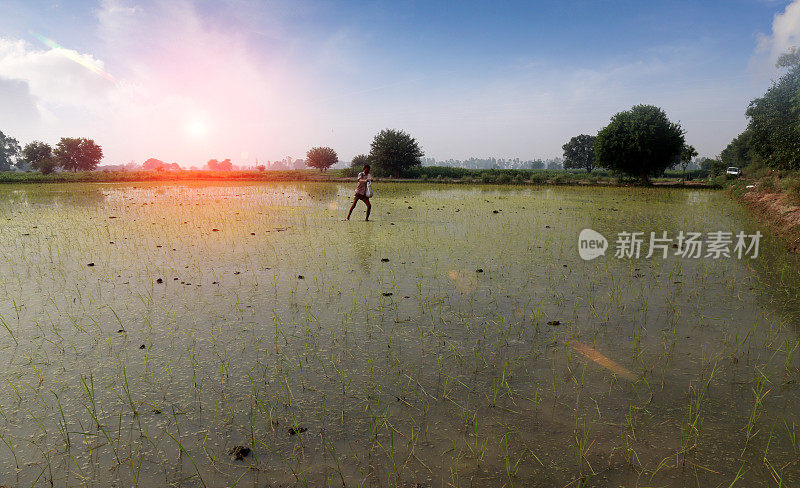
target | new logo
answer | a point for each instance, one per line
(591, 244)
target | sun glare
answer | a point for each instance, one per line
(197, 128)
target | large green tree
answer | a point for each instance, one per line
(775, 118)
(579, 153)
(9, 152)
(360, 161)
(321, 158)
(393, 151)
(78, 154)
(640, 142)
(739, 152)
(39, 155)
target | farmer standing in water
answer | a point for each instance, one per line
(363, 191)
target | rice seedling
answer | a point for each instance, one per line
(464, 358)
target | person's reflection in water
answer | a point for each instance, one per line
(363, 246)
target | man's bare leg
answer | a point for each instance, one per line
(355, 200)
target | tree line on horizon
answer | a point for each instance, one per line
(70, 154)
(483, 163)
(641, 142)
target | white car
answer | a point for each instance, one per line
(733, 171)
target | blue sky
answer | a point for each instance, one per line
(246, 79)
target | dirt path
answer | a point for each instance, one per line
(774, 208)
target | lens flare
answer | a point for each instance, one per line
(464, 281)
(602, 360)
(74, 57)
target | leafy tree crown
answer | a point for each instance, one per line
(579, 153)
(321, 158)
(639, 142)
(360, 161)
(78, 154)
(774, 119)
(39, 155)
(393, 151)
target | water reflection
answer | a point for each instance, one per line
(361, 237)
(478, 344)
(52, 195)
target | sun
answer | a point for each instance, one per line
(197, 128)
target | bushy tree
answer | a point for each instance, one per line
(640, 142)
(360, 161)
(393, 151)
(39, 155)
(774, 126)
(321, 158)
(579, 153)
(739, 152)
(224, 165)
(715, 167)
(78, 154)
(9, 152)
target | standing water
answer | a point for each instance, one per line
(212, 335)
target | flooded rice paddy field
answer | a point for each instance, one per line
(150, 329)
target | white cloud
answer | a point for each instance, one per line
(785, 33)
(52, 77)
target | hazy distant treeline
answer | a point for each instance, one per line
(497, 163)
